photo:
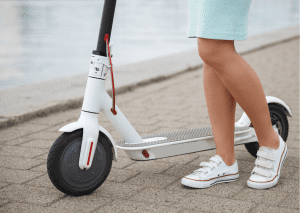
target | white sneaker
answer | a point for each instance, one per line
(268, 165)
(213, 172)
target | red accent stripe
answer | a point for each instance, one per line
(90, 153)
(113, 109)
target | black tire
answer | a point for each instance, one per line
(63, 164)
(279, 119)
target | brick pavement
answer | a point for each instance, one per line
(154, 186)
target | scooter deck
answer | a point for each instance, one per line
(180, 142)
(175, 136)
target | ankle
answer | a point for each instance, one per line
(273, 143)
(229, 160)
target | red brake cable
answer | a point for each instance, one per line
(112, 76)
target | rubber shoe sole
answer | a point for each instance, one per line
(200, 184)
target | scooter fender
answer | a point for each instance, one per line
(244, 121)
(79, 125)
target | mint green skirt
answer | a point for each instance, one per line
(218, 19)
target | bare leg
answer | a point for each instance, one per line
(221, 109)
(243, 84)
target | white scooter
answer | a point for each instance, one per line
(81, 158)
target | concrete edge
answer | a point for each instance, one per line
(74, 103)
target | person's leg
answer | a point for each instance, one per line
(243, 84)
(221, 109)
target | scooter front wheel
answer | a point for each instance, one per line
(63, 164)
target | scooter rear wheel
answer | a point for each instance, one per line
(279, 119)
(63, 164)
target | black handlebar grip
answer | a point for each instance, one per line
(106, 26)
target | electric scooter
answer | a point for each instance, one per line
(80, 160)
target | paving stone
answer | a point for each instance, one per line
(17, 176)
(246, 166)
(39, 143)
(244, 155)
(226, 190)
(293, 128)
(81, 204)
(237, 206)
(56, 118)
(17, 141)
(122, 163)
(286, 185)
(167, 126)
(55, 128)
(30, 194)
(179, 159)
(289, 172)
(185, 210)
(148, 179)
(266, 197)
(138, 120)
(121, 153)
(270, 209)
(30, 208)
(134, 207)
(11, 162)
(293, 143)
(121, 175)
(40, 168)
(293, 137)
(243, 177)
(45, 135)
(240, 147)
(151, 166)
(159, 196)
(296, 175)
(180, 170)
(3, 201)
(291, 201)
(3, 184)
(42, 181)
(117, 190)
(43, 156)
(21, 151)
(202, 202)
(293, 153)
(19, 130)
(291, 161)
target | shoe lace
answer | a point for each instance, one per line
(207, 166)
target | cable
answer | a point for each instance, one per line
(113, 110)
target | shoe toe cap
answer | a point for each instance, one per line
(194, 177)
(257, 178)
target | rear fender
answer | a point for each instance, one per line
(244, 121)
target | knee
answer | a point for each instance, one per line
(213, 51)
(205, 50)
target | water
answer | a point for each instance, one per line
(41, 40)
